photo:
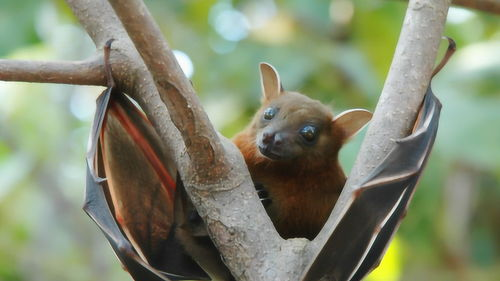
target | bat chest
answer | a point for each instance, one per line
(298, 212)
(301, 200)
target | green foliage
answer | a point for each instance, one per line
(17, 24)
(336, 51)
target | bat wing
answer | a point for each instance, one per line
(377, 206)
(131, 190)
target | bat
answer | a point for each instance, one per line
(291, 149)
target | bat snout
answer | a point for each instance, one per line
(272, 139)
(272, 145)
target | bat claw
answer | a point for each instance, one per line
(263, 195)
(107, 64)
(194, 217)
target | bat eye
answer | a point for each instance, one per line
(309, 132)
(269, 113)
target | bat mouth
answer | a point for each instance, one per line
(267, 151)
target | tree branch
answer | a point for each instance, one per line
(403, 92)
(129, 71)
(88, 72)
(202, 143)
(214, 168)
(490, 6)
(250, 245)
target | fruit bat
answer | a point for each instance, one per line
(291, 149)
(135, 196)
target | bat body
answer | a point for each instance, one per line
(291, 149)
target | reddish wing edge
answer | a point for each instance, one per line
(148, 250)
(357, 244)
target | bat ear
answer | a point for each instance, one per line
(351, 122)
(270, 82)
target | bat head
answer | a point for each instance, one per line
(292, 126)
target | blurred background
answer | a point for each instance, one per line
(336, 51)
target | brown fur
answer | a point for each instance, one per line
(303, 189)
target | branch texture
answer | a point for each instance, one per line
(202, 142)
(89, 72)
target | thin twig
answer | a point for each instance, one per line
(88, 72)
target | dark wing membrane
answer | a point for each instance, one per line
(358, 242)
(421, 142)
(139, 184)
(130, 192)
(101, 108)
(97, 208)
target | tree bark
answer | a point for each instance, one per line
(403, 92)
(88, 72)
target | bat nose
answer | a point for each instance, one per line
(272, 138)
(267, 138)
(278, 139)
